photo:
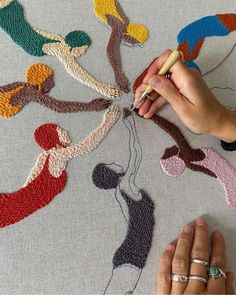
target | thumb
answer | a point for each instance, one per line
(229, 283)
(166, 89)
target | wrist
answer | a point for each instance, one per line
(225, 129)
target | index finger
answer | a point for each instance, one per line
(159, 62)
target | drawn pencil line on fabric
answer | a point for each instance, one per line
(37, 42)
(132, 34)
(136, 207)
(38, 82)
(48, 177)
(206, 160)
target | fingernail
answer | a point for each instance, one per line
(146, 116)
(187, 229)
(170, 248)
(154, 82)
(201, 221)
(140, 112)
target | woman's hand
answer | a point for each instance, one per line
(193, 244)
(189, 96)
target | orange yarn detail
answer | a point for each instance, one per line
(37, 74)
(188, 56)
(6, 108)
(228, 20)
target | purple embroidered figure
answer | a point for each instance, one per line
(136, 207)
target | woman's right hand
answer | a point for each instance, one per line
(189, 96)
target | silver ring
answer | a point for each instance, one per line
(199, 261)
(197, 278)
(215, 272)
(179, 278)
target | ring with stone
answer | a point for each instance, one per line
(199, 261)
(215, 272)
(179, 278)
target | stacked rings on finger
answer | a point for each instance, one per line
(195, 277)
(179, 278)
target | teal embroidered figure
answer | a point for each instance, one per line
(39, 43)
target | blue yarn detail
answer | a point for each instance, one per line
(205, 27)
(192, 64)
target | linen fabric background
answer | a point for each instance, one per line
(67, 247)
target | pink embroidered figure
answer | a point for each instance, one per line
(182, 155)
(112, 14)
(48, 177)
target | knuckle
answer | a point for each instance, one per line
(190, 80)
(164, 278)
(199, 253)
(166, 259)
(167, 90)
(180, 263)
(218, 260)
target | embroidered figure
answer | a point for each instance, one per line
(192, 37)
(48, 177)
(38, 43)
(136, 206)
(112, 14)
(205, 160)
(38, 82)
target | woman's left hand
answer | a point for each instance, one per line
(177, 264)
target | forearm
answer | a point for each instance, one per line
(92, 141)
(226, 127)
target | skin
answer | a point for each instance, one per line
(193, 242)
(190, 98)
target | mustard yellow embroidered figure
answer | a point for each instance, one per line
(112, 14)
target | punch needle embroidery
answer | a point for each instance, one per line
(48, 177)
(37, 42)
(136, 207)
(204, 160)
(111, 13)
(38, 82)
(191, 38)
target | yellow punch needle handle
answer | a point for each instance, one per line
(171, 60)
